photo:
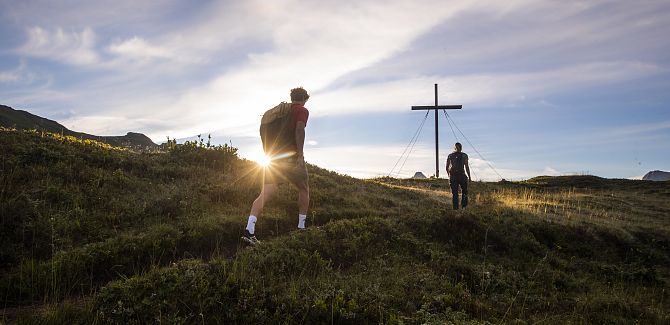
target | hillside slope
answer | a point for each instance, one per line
(23, 120)
(108, 235)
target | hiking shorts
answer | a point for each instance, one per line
(286, 170)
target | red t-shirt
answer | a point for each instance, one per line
(300, 113)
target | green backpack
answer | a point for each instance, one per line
(277, 134)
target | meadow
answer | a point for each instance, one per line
(94, 234)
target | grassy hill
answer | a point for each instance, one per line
(91, 233)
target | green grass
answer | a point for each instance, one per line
(95, 234)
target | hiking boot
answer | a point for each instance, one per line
(250, 239)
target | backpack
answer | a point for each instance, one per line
(277, 134)
(457, 163)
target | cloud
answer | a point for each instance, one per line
(311, 50)
(538, 35)
(76, 48)
(548, 171)
(479, 89)
(314, 51)
(229, 102)
(8, 76)
(78, 14)
(635, 129)
(109, 124)
(98, 125)
(138, 48)
(19, 73)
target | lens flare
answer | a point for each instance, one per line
(264, 161)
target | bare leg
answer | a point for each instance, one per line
(303, 198)
(267, 193)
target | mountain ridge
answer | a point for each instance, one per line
(656, 175)
(24, 120)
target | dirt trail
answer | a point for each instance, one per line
(433, 193)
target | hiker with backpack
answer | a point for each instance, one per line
(283, 137)
(457, 166)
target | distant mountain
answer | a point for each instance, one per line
(23, 120)
(656, 175)
(419, 175)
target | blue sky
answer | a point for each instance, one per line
(547, 87)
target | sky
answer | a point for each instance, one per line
(547, 87)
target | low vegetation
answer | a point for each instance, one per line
(95, 234)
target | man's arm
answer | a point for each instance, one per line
(467, 167)
(448, 163)
(300, 137)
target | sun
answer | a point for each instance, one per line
(264, 161)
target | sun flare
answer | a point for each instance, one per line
(263, 161)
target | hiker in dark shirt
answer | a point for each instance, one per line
(457, 166)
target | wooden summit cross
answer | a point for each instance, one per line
(436, 108)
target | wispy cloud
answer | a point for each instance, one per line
(18, 74)
(481, 89)
(635, 129)
(79, 14)
(76, 48)
(306, 50)
(138, 48)
(6, 76)
(10, 75)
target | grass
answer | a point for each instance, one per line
(95, 234)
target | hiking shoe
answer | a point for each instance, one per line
(308, 228)
(250, 239)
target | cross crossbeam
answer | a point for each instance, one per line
(419, 108)
(436, 108)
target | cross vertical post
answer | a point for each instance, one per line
(436, 108)
(437, 140)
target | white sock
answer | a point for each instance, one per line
(301, 221)
(251, 224)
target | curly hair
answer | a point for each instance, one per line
(299, 95)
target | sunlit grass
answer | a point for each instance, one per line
(621, 205)
(65, 138)
(607, 207)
